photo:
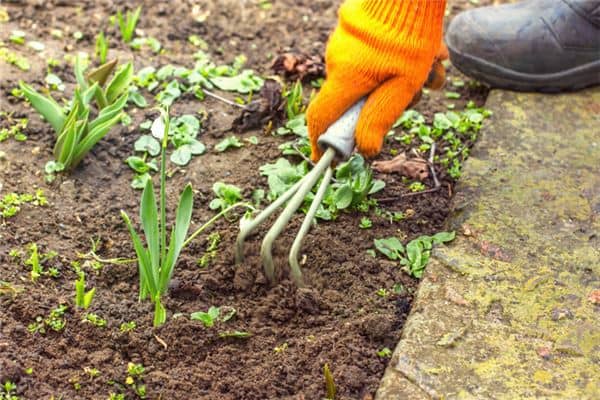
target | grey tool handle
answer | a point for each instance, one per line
(340, 135)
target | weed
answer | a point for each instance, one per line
(127, 327)
(416, 255)
(54, 321)
(227, 196)
(36, 261)
(10, 204)
(92, 372)
(416, 187)
(330, 389)
(227, 143)
(213, 315)
(15, 59)
(365, 223)
(156, 263)
(83, 299)
(10, 127)
(382, 292)
(101, 50)
(281, 348)
(135, 375)
(94, 320)
(384, 353)
(294, 100)
(211, 250)
(128, 23)
(8, 391)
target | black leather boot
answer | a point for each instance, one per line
(532, 45)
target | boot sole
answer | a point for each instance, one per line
(504, 78)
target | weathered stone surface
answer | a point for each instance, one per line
(508, 311)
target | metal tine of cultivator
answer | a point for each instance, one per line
(338, 142)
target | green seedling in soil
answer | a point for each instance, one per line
(10, 204)
(416, 255)
(452, 132)
(11, 127)
(127, 327)
(228, 143)
(14, 59)
(8, 391)
(416, 187)
(294, 100)
(384, 353)
(55, 321)
(213, 315)
(211, 250)
(116, 396)
(53, 82)
(91, 372)
(83, 299)
(135, 374)
(365, 223)
(281, 348)
(128, 23)
(157, 261)
(151, 42)
(75, 133)
(330, 389)
(227, 195)
(36, 260)
(17, 37)
(101, 50)
(382, 292)
(94, 320)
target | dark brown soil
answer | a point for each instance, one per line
(339, 319)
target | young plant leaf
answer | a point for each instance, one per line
(46, 106)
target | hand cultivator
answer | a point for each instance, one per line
(338, 143)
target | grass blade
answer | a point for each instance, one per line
(46, 106)
(149, 218)
(93, 137)
(147, 281)
(79, 74)
(67, 133)
(120, 83)
(178, 235)
(160, 313)
(109, 112)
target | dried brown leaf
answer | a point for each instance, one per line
(413, 168)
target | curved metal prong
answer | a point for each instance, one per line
(295, 269)
(249, 227)
(295, 202)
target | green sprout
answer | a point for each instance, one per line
(8, 390)
(384, 353)
(365, 223)
(101, 50)
(128, 23)
(94, 320)
(157, 261)
(127, 327)
(75, 133)
(83, 299)
(330, 389)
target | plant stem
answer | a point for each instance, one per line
(213, 220)
(223, 99)
(163, 197)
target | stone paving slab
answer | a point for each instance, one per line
(511, 309)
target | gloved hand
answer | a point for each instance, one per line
(384, 49)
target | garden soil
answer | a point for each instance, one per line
(337, 320)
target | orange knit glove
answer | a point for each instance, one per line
(383, 49)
